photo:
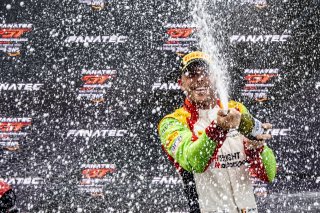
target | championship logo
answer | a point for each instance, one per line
(95, 177)
(12, 132)
(179, 38)
(96, 5)
(258, 83)
(95, 83)
(12, 37)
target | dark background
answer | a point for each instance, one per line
(131, 103)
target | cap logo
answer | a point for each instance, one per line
(194, 55)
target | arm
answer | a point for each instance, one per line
(262, 163)
(176, 138)
(269, 163)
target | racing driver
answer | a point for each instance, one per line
(211, 148)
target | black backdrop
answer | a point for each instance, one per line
(48, 160)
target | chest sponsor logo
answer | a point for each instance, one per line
(229, 160)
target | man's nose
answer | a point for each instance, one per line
(200, 77)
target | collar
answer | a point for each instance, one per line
(194, 111)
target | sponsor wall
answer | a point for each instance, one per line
(84, 84)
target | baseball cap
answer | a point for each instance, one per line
(190, 58)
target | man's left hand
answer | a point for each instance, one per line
(260, 139)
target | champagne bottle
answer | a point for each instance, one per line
(250, 126)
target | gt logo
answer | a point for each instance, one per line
(9, 34)
(259, 78)
(96, 173)
(96, 79)
(13, 127)
(180, 32)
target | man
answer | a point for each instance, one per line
(209, 148)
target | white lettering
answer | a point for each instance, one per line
(259, 38)
(15, 120)
(165, 86)
(20, 86)
(97, 39)
(98, 166)
(99, 72)
(97, 133)
(16, 26)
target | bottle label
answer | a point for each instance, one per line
(257, 129)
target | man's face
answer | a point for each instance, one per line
(197, 86)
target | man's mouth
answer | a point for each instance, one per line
(201, 89)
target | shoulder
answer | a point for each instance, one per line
(237, 105)
(180, 115)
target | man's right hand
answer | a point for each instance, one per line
(230, 120)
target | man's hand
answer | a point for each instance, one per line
(260, 139)
(230, 120)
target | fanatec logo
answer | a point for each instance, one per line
(279, 132)
(166, 180)
(259, 38)
(23, 181)
(165, 86)
(97, 133)
(20, 87)
(97, 39)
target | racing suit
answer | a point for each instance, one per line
(219, 160)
